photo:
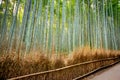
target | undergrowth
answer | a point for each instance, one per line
(12, 66)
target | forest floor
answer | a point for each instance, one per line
(112, 73)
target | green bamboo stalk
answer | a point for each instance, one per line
(4, 25)
(24, 23)
(50, 35)
(13, 26)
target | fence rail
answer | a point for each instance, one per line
(96, 70)
(60, 69)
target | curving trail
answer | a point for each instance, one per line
(111, 74)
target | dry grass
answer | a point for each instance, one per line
(11, 66)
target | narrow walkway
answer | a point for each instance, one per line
(111, 74)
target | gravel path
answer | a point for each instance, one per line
(111, 74)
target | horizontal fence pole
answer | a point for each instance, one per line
(96, 70)
(63, 68)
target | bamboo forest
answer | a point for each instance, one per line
(41, 35)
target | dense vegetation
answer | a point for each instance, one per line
(11, 66)
(59, 25)
(58, 29)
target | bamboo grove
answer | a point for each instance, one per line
(59, 25)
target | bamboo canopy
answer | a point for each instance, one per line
(59, 25)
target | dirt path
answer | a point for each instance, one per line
(111, 74)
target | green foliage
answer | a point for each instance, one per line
(60, 25)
